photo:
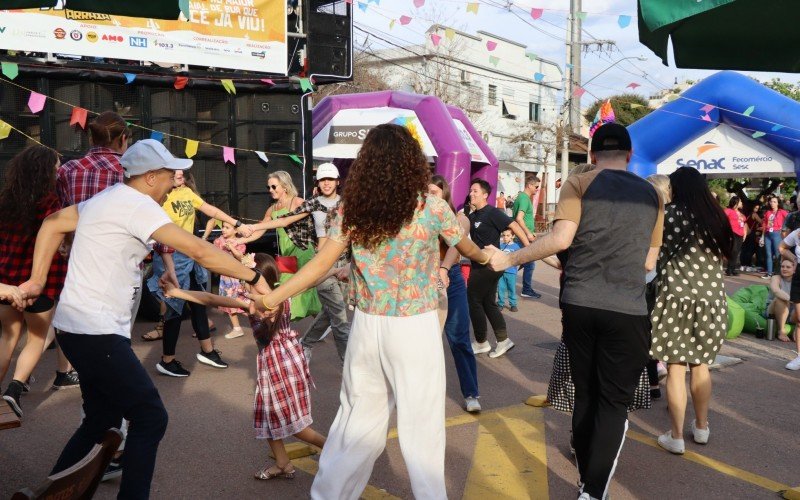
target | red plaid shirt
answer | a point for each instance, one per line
(78, 180)
(16, 252)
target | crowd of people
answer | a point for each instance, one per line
(641, 296)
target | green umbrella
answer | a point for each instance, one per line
(756, 35)
(153, 9)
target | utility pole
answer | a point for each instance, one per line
(574, 57)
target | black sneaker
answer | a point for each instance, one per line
(12, 394)
(173, 368)
(212, 359)
(513, 309)
(531, 295)
(113, 470)
(68, 380)
(655, 393)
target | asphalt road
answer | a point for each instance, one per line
(510, 451)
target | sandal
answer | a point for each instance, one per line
(157, 333)
(268, 472)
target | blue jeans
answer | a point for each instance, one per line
(114, 384)
(772, 243)
(527, 277)
(507, 285)
(456, 328)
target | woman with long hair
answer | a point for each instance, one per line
(771, 227)
(738, 223)
(27, 198)
(456, 325)
(394, 354)
(690, 314)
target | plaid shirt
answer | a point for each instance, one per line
(78, 180)
(302, 232)
(16, 251)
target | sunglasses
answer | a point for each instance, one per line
(273, 187)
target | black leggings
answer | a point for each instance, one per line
(172, 327)
(482, 299)
(734, 261)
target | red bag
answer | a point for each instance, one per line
(286, 264)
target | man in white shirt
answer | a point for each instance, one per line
(114, 232)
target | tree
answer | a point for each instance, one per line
(622, 108)
(365, 78)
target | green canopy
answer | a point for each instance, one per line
(152, 9)
(754, 35)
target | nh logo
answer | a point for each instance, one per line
(138, 41)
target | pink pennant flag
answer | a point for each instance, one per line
(537, 13)
(78, 117)
(267, 81)
(435, 39)
(36, 101)
(706, 118)
(632, 85)
(490, 45)
(707, 108)
(404, 20)
(349, 1)
(227, 155)
(579, 91)
(419, 3)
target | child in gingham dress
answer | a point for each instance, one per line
(231, 287)
(282, 406)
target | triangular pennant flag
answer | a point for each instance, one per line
(473, 7)
(706, 118)
(707, 108)
(262, 156)
(228, 85)
(494, 61)
(363, 6)
(184, 6)
(530, 56)
(267, 81)
(404, 20)
(633, 85)
(672, 97)
(777, 127)
(36, 102)
(78, 117)
(582, 15)
(180, 82)
(10, 69)
(306, 85)
(296, 159)
(579, 91)
(749, 111)
(450, 33)
(376, 2)
(5, 129)
(391, 23)
(157, 136)
(419, 3)
(624, 21)
(491, 45)
(758, 134)
(568, 65)
(227, 155)
(129, 78)
(191, 148)
(435, 39)
(538, 76)
(537, 13)
(349, 2)
(635, 105)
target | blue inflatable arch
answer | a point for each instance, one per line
(664, 131)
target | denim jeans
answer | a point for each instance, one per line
(114, 384)
(456, 328)
(527, 277)
(507, 286)
(772, 243)
(333, 296)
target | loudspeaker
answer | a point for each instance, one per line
(329, 42)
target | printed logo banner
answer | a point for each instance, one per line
(237, 34)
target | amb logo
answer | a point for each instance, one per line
(702, 163)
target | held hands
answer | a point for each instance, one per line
(30, 292)
(245, 230)
(343, 274)
(444, 276)
(14, 295)
(167, 286)
(498, 261)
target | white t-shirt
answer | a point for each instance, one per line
(793, 240)
(320, 217)
(105, 265)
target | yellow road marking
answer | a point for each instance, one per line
(310, 466)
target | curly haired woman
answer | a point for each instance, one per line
(394, 355)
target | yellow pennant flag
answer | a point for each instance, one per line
(636, 106)
(450, 33)
(5, 129)
(191, 148)
(391, 24)
(472, 7)
(228, 84)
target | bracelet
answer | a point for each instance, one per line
(445, 268)
(264, 303)
(238, 224)
(255, 279)
(486, 261)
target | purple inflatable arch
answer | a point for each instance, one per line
(453, 158)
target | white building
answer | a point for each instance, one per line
(511, 95)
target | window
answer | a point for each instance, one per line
(533, 111)
(492, 95)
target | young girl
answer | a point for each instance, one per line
(230, 287)
(281, 407)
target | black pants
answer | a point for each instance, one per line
(733, 262)
(115, 385)
(172, 327)
(482, 298)
(749, 246)
(607, 352)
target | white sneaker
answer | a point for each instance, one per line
(502, 348)
(700, 436)
(235, 333)
(793, 364)
(472, 405)
(481, 347)
(307, 354)
(671, 444)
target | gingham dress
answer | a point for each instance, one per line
(282, 406)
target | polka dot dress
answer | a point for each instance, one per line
(690, 316)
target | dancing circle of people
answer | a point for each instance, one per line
(642, 297)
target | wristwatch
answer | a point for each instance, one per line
(238, 224)
(253, 281)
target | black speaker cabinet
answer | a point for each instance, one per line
(329, 28)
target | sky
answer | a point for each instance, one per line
(544, 36)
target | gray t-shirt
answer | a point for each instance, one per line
(619, 216)
(320, 217)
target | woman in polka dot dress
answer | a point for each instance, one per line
(690, 315)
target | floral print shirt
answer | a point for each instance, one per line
(399, 277)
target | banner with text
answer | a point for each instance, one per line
(236, 34)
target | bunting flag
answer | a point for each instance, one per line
(180, 82)
(749, 111)
(582, 15)
(227, 155)
(5, 129)
(363, 6)
(635, 105)
(267, 81)
(579, 91)
(419, 3)
(129, 78)
(633, 85)
(758, 134)
(624, 21)
(306, 85)
(491, 45)
(229, 86)
(191, 148)
(707, 108)
(78, 117)
(538, 76)
(435, 39)
(536, 13)
(473, 7)
(296, 159)
(706, 118)
(183, 5)
(404, 20)
(531, 56)
(777, 127)
(449, 33)
(391, 23)
(36, 102)
(376, 2)
(262, 156)
(157, 136)
(494, 61)
(9, 69)
(605, 114)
